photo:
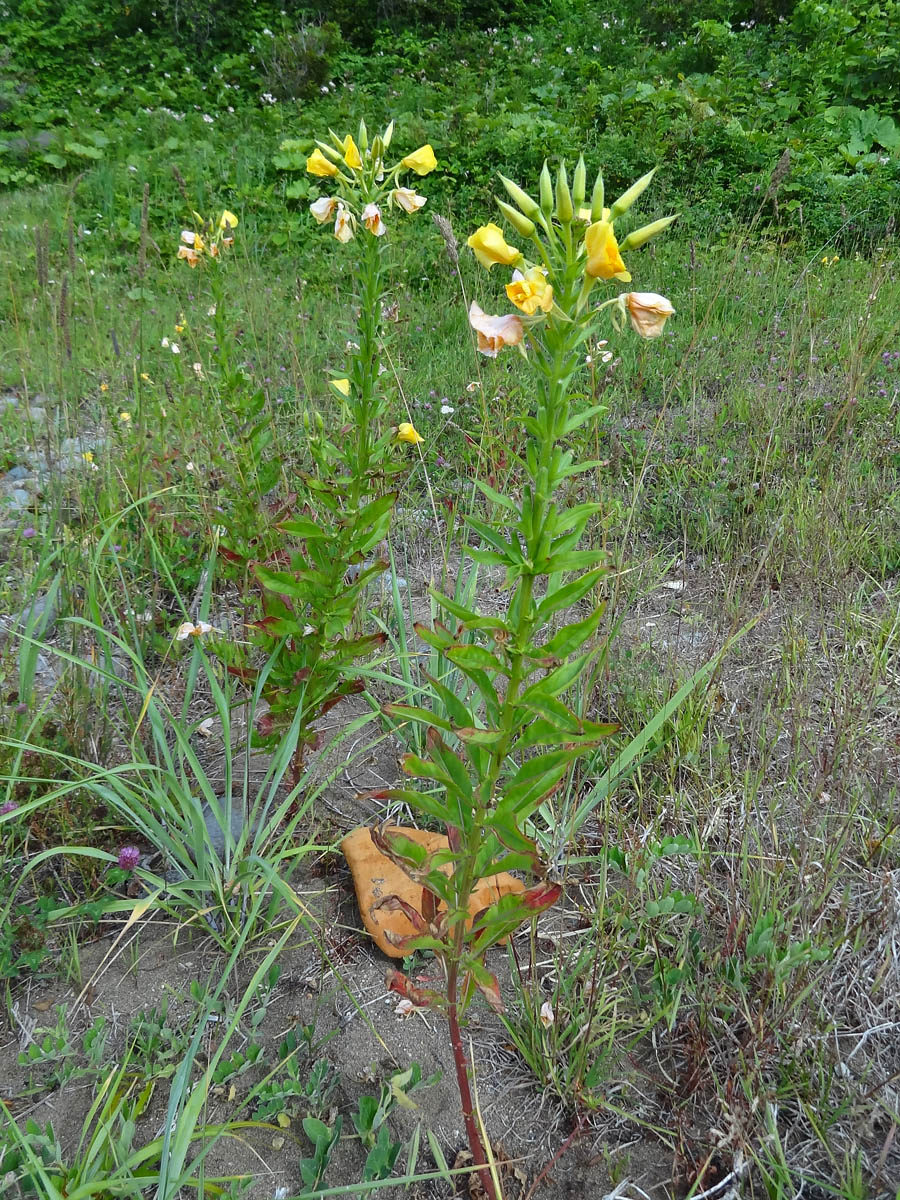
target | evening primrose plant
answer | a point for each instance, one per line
(340, 510)
(489, 764)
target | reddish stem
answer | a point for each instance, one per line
(465, 1094)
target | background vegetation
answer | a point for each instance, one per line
(723, 981)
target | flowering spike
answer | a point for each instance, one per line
(628, 198)
(546, 191)
(579, 183)
(564, 208)
(520, 223)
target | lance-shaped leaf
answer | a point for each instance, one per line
(396, 981)
(499, 920)
(409, 712)
(469, 618)
(479, 737)
(534, 781)
(567, 595)
(572, 637)
(450, 761)
(439, 637)
(558, 679)
(304, 527)
(486, 982)
(459, 713)
(394, 903)
(431, 803)
(475, 658)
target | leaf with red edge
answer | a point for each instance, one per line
(396, 981)
(394, 903)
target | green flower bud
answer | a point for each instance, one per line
(597, 198)
(579, 183)
(387, 135)
(628, 198)
(363, 137)
(518, 220)
(330, 152)
(564, 209)
(546, 191)
(528, 206)
(639, 237)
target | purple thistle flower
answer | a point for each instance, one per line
(129, 857)
(30, 532)
(7, 807)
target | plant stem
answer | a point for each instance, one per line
(462, 1078)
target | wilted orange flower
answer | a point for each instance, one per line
(648, 312)
(494, 333)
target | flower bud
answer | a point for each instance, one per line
(387, 135)
(597, 198)
(628, 198)
(363, 137)
(579, 183)
(564, 208)
(639, 237)
(524, 201)
(329, 151)
(546, 191)
(520, 223)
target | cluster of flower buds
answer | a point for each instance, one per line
(207, 238)
(365, 185)
(543, 287)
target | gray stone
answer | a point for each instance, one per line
(15, 474)
(41, 610)
(17, 499)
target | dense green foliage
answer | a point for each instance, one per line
(715, 92)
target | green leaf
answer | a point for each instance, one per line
(409, 712)
(479, 737)
(572, 637)
(557, 680)
(54, 160)
(472, 620)
(572, 560)
(535, 780)
(496, 497)
(475, 658)
(568, 594)
(304, 527)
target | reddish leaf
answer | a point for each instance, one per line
(395, 903)
(541, 896)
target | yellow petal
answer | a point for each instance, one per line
(604, 260)
(490, 247)
(228, 219)
(407, 433)
(648, 312)
(342, 385)
(351, 153)
(318, 164)
(531, 291)
(421, 161)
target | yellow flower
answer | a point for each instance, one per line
(407, 433)
(342, 385)
(490, 247)
(604, 260)
(125, 417)
(407, 199)
(323, 208)
(371, 216)
(104, 387)
(351, 154)
(648, 312)
(343, 225)
(530, 291)
(495, 332)
(228, 221)
(88, 456)
(318, 164)
(421, 161)
(145, 377)
(584, 214)
(188, 253)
